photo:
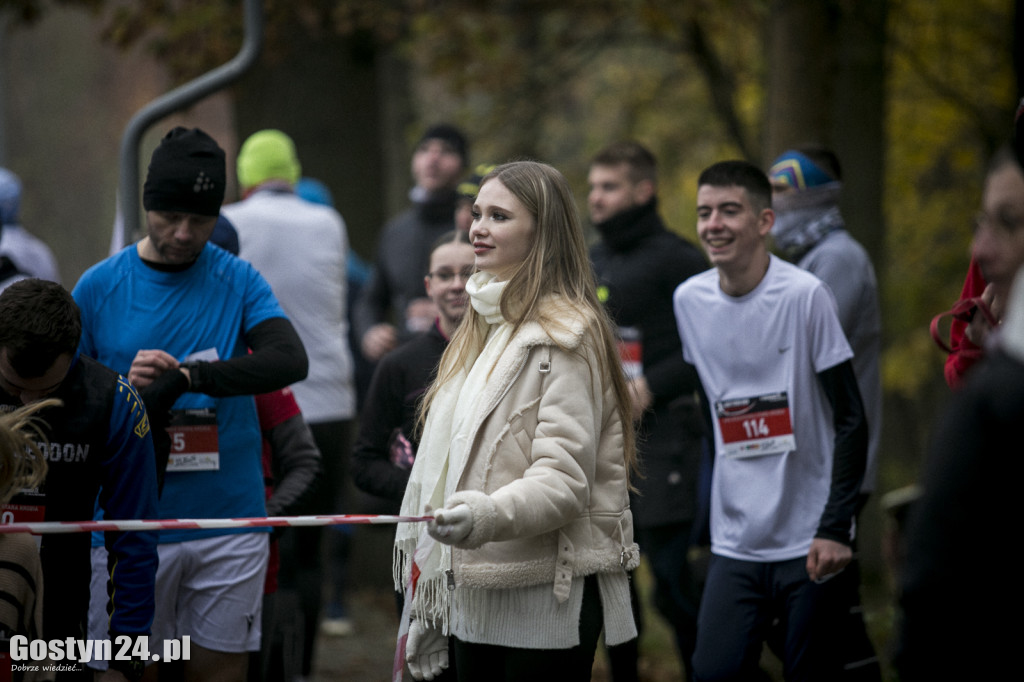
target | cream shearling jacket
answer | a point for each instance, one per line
(545, 476)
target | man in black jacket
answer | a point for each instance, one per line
(99, 448)
(391, 307)
(638, 264)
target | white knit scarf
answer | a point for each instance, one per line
(442, 455)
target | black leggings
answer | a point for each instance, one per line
(504, 664)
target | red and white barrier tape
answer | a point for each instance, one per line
(45, 527)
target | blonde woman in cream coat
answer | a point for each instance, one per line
(525, 456)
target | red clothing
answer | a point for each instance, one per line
(273, 409)
(965, 353)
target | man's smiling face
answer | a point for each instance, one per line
(729, 226)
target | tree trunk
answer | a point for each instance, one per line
(858, 122)
(826, 86)
(801, 73)
(325, 97)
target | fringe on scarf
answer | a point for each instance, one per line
(430, 595)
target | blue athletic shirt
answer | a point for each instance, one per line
(128, 306)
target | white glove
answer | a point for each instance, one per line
(451, 526)
(426, 651)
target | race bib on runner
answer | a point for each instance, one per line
(752, 427)
(631, 352)
(28, 506)
(194, 444)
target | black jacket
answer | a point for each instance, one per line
(401, 379)
(403, 256)
(639, 264)
(955, 602)
(98, 447)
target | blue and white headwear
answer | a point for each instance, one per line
(795, 170)
(10, 197)
(805, 215)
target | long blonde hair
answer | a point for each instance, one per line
(558, 266)
(22, 449)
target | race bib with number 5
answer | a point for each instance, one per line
(194, 444)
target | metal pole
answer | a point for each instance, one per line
(176, 99)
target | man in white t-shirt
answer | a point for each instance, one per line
(790, 437)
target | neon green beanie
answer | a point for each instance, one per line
(267, 155)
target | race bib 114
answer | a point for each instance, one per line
(756, 426)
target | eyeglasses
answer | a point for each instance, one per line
(446, 276)
(1000, 223)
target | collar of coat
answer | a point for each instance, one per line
(564, 326)
(625, 230)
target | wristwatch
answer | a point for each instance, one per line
(193, 374)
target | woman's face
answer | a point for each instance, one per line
(450, 268)
(502, 230)
(999, 234)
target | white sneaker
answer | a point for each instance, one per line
(337, 627)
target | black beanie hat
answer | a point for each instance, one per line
(451, 135)
(186, 174)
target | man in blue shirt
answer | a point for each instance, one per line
(180, 317)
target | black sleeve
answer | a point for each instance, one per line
(278, 359)
(671, 377)
(382, 414)
(851, 451)
(295, 461)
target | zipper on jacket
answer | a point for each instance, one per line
(626, 553)
(450, 573)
